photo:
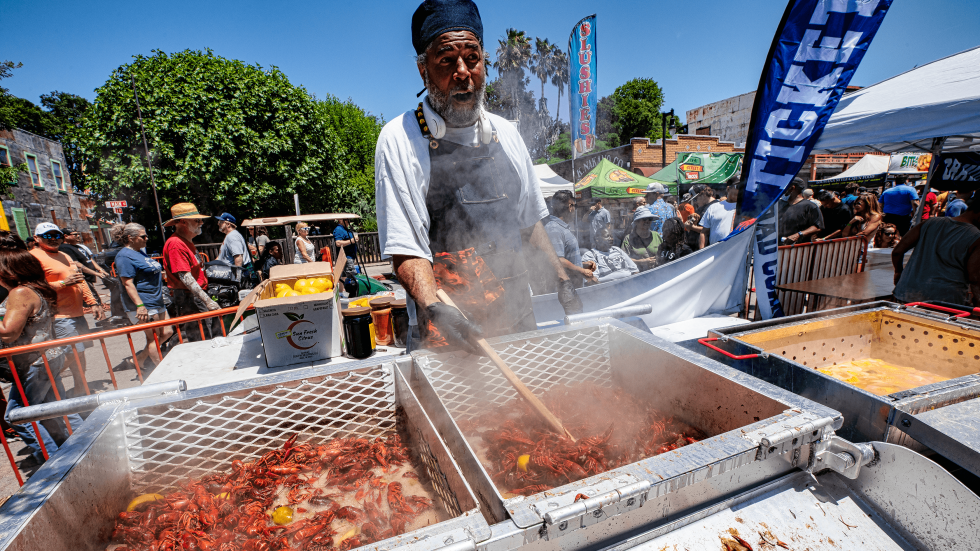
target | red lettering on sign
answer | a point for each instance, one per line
(585, 30)
(585, 72)
(585, 87)
(585, 114)
(585, 57)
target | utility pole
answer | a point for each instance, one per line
(149, 162)
(663, 135)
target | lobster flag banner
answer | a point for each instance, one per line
(813, 56)
(582, 94)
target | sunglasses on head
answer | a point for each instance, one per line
(52, 235)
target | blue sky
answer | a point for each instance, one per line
(699, 51)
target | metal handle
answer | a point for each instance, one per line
(49, 410)
(959, 313)
(622, 312)
(706, 340)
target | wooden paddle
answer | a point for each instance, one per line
(525, 392)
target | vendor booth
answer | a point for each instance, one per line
(551, 182)
(871, 171)
(607, 180)
(698, 168)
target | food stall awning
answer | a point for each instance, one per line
(550, 181)
(287, 220)
(870, 171)
(699, 168)
(905, 112)
(607, 180)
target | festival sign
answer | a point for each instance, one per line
(909, 163)
(816, 49)
(957, 171)
(582, 94)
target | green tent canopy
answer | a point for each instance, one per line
(699, 168)
(610, 181)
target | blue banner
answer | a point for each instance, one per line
(583, 96)
(813, 56)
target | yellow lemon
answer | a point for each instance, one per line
(282, 293)
(522, 462)
(282, 515)
(291, 294)
(223, 495)
(329, 285)
(321, 284)
(309, 291)
(145, 498)
(282, 287)
(301, 284)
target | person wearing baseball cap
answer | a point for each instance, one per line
(233, 248)
(642, 243)
(185, 272)
(74, 295)
(658, 207)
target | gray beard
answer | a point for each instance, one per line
(442, 103)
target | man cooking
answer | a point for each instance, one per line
(456, 190)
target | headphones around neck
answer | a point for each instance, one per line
(437, 126)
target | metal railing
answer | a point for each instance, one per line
(810, 261)
(368, 247)
(9, 353)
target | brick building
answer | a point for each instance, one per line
(45, 193)
(647, 158)
(728, 119)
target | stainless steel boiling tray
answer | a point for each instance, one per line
(126, 449)
(787, 351)
(742, 411)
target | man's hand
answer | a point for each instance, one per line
(589, 275)
(589, 265)
(454, 326)
(354, 239)
(212, 305)
(568, 298)
(74, 279)
(792, 238)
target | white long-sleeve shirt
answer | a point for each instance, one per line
(402, 174)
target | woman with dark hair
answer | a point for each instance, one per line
(867, 218)
(28, 319)
(674, 245)
(271, 256)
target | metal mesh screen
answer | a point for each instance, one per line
(468, 387)
(190, 439)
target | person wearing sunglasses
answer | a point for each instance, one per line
(143, 285)
(73, 293)
(82, 256)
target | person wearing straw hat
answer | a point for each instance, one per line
(185, 272)
(642, 243)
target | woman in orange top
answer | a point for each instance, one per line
(73, 294)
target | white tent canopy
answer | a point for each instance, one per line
(868, 167)
(551, 182)
(905, 112)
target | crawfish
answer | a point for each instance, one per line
(352, 514)
(349, 543)
(395, 499)
(531, 490)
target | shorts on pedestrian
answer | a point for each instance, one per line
(150, 311)
(72, 327)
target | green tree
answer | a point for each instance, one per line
(513, 56)
(65, 112)
(224, 135)
(637, 110)
(542, 64)
(559, 75)
(605, 121)
(358, 131)
(9, 116)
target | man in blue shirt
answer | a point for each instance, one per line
(660, 209)
(562, 207)
(599, 219)
(899, 204)
(957, 206)
(344, 238)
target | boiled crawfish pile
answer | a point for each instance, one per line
(612, 428)
(230, 512)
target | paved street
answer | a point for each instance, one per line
(99, 379)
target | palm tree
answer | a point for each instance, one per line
(513, 55)
(542, 63)
(559, 72)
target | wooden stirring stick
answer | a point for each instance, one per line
(525, 392)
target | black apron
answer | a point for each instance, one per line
(475, 237)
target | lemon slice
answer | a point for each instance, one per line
(282, 515)
(145, 498)
(522, 462)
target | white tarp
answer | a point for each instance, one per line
(551, 182)
(905, 112)
(869, 165)
(709, 281)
